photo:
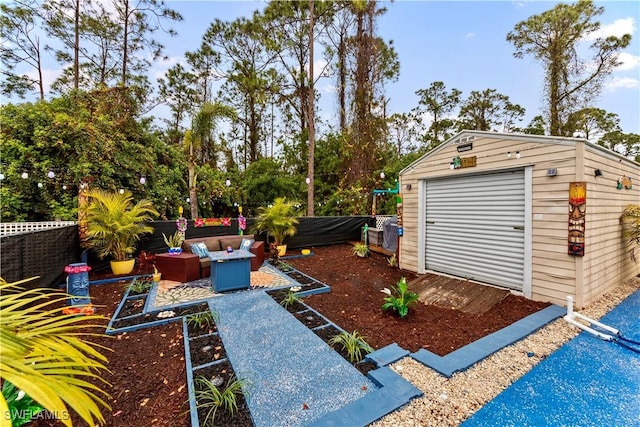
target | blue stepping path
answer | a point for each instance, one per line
(294, 377)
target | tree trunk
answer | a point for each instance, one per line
(125, 44)
(312, 130)
(76, 48)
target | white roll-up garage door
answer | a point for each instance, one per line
(475, 227)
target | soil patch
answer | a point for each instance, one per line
(355, 302)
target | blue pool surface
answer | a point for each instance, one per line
(587, 382)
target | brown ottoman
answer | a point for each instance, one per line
(180, 268)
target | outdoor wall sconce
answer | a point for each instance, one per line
(597, 172)
(517, 155)
(508, 154)
(407, 187)
(451, 166)
(552, 172)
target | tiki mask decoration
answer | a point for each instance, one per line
(577, 214)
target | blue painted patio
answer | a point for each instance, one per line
(587, 382)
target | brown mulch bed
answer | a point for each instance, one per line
(148, 373)
(355, 302)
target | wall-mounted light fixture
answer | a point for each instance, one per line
(407, 187)
(451, 166)
(517, 155)
(597, 172)
(508, 154)
(552, 172)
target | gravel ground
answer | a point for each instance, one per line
(450, 401)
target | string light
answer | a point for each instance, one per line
(51, 174)
(121, 191)
(143, 180)
(24, 175)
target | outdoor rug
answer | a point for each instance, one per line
(169, 293)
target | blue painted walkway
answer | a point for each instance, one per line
(294, 377)
(587, 382)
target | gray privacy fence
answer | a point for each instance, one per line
(46, 253)
(42, 253)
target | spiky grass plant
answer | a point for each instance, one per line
(44, 353)
(139, 286)
(353, 343)
(203, 319)
(291, 297)
(210, 398)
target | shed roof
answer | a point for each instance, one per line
(470, 135)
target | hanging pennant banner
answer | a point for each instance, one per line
(212, 222)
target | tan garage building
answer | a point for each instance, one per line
(535, 214)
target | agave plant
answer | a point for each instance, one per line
(44, 355)
(115, 224)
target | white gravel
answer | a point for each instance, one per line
(450, 401)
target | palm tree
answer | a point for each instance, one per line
(43, 353)
(115, 224)
(197, 140)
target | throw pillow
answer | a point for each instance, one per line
(246, 244)
(200, 249)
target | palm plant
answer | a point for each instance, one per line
(353, 343)
(631, 222)
(115, 224)
(43, 353)
(278, 220)
(401, 301)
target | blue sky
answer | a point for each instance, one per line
(460, 43)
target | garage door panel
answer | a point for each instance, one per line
(475, 227)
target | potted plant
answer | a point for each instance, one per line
(360, 249)
(174, 242)
(115, 224)
(279, 221)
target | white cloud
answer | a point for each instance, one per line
(618, 28)
(48, 77)
(628, 61)
(161, 67)
(622, 82)
(470, 35)
(329, 88)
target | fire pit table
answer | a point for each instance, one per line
(230, 270)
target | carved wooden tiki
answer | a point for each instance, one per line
(577, 213)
